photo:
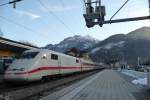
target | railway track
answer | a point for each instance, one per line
(37, 89)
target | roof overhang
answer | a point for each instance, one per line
(6, 44)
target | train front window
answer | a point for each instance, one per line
(29, 55)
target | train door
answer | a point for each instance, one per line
(59, 65)
(81, 65)
(55, 63)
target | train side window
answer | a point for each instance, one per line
(54, 56)
(77, 61)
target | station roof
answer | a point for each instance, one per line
(7, 44)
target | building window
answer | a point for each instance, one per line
(54, 56)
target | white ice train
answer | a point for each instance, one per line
(38, 64)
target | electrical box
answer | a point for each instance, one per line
(89, 10)
(94, 13)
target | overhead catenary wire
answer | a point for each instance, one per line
(53, 14)
(62, 3)
(10, 2)
(69, 13)
(20, 25)
(119, 9)
(4, 4)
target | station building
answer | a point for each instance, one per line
(11, 48)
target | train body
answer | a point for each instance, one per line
(39, 63)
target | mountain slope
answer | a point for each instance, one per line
(77, 41)
(124, 47)
(141, 33)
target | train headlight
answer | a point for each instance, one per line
(44, 56)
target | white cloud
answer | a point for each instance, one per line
(58, 8)
(28, 14)
(138, 11)
(134, 8)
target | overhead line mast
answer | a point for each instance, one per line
(95, 14)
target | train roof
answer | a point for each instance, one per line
(47, 50)
(64, 55)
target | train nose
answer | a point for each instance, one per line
(15, 76)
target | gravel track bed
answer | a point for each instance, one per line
(35, 90)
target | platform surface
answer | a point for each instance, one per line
(105, 85)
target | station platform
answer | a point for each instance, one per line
(105, 85)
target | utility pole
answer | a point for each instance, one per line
(138, 61)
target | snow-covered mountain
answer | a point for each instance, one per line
(117, 47)
(77, 41)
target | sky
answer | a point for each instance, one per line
(31, 22)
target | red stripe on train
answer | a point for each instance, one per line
(48, 68)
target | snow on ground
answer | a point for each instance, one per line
(135, 74)
(140, 77)
(142, 81)
(130, 74)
